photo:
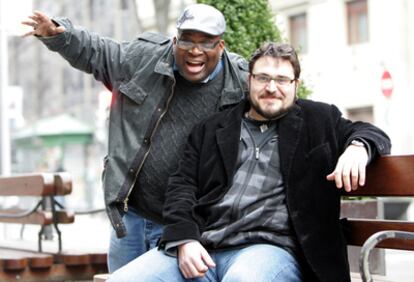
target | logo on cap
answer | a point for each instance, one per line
(186, 16)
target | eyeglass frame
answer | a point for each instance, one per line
(287, 80)
(202, 46)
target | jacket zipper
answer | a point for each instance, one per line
(236, 203)
(147, 152)
(251, 168)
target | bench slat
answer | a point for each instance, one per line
(73, 258)
(65, 216)
(388, 176)
(39, 217)
(27, 185)
(18, 260)
(362, 229)
(40, 184)
(41, 262)
(63, 183)
(35, 267)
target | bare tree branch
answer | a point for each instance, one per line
(162, 8)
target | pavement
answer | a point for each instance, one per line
(399, 265)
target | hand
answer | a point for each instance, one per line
(42, 25)
(350, 168)
(193, 260)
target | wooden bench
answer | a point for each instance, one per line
(19, 265)
(388, 176)
(23, 260)
(47, 211)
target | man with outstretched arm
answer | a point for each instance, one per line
(161, 88)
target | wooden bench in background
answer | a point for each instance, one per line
(47, 211)
(27, 262)
(388, 176)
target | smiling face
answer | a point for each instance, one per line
(271, 99)
(195, 64)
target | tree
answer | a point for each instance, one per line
(249, 24)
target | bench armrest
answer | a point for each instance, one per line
(371, 242)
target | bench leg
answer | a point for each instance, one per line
(371, 242)
(39, 243)
(55, 222)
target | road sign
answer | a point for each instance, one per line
(387, 85)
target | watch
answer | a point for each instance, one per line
(357, 143)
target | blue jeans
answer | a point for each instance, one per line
(261, 262)
(142, 235)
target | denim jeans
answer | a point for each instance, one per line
(259, 263)
(142, 235)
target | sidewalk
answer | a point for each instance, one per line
(399, 265)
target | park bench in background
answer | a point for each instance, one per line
(47, 211)
(25, 261)
(388, 176)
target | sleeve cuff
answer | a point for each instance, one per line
(171, 249)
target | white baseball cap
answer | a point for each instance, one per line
(203, 18)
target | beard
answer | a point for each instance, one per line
(270, 115)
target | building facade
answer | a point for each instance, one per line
(359, 55)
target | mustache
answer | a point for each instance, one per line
(274, 94)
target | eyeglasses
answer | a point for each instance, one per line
(203, 46)
(265, 79)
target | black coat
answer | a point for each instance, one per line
(312, 136)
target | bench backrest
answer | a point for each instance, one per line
(40, 184)
(388, 176)
(36, 185)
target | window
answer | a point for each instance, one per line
(299, 32)
(357, 16)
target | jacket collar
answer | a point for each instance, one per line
(164, 65)
(228, 136)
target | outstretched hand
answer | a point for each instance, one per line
(349, 172)
(193, 260)
(42, 25)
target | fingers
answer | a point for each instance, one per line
(207, 259)
(32, 24)
(42, 25)
(362, 174)
(349, 172)
(190, 270)
(193, 260)
(33, 32)
(344, 176)
(41, 16)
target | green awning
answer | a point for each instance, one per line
(54, 131)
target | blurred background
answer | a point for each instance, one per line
(357, 54)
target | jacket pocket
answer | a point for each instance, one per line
(133, 92)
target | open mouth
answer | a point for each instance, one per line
(194, 67)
